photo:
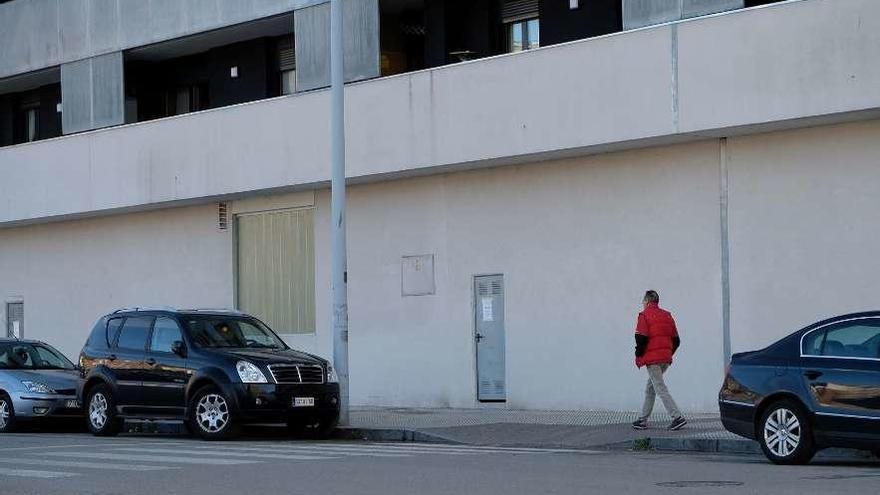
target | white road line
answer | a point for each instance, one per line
(86, 465)
(227, 453)
(32, 473)
(81, 445)
(297, 450)
(149, 458)
(490, 448)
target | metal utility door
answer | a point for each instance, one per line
(489, 313)
(15, 320)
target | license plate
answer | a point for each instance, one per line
(72, 404)
(303, 402)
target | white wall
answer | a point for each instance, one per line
(804, 229)
(578, 242)
(70, 273)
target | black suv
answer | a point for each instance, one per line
(213, 369)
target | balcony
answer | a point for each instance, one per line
(781, 66)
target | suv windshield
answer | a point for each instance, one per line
(231, 332)
(24, 356)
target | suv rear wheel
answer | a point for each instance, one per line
(7, 414)
(211, 416)
(102, 419)
(785, 434)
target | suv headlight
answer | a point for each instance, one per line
(37, 387)
(249, 373)
(331, 375)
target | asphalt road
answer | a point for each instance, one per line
(66, 463)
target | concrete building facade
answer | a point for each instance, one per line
(728, 161)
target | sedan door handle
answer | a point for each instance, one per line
(812, 374)
(111, 357)
(151, 361)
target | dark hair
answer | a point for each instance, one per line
(651, 296)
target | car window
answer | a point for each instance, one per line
(234, 332)
(49, 359)
(165, 333)
(133, 335)
(113, 330)
(859, 339)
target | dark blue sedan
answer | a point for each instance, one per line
(817, 388)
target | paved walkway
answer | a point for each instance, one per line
(517, 428)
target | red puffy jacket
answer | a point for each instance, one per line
(657, 327)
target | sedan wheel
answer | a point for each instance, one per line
(785, 435)
(7, 414)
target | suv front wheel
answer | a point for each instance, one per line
(210, 415)
(102, 419)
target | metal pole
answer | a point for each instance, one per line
(337, 206)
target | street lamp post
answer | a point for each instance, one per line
(337, 206)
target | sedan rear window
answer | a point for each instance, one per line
(857, 339)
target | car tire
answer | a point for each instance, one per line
(101, 416)
(7, 414)
(785, 433)
(320, 429)
(211, 416)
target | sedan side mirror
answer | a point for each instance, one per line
(178, 348)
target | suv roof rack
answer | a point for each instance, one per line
(145, 308)
(212, 310)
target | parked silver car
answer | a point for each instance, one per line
(36, 382)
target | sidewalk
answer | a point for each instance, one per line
(544, 429)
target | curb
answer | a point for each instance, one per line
(730, 446)
(390, 435)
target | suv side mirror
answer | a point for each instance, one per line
(178, 348)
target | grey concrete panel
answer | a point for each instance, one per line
(36, 34)
(361, 26)
(361, 43)
(202, 14)
(76, 96)
(134, 25)
(166, 18)
(45, 37)
(696, 8)
(108, 95)
(312, 34)
(74, 15)
(103, 25)
(640, 13)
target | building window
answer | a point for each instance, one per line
(186, 99)
(521, 23)
(31, 124)
(523, 35)
(286, 58)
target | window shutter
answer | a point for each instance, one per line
(518, 10)
(286, 54)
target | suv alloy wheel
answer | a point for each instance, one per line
(785, 434)
(211, 415)
(101, 412)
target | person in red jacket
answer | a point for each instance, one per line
(656, 341)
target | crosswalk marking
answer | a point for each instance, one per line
(296, 450)
(85, 465)
(340, 449)
(149, 458)
(226, 452)
(33, 473)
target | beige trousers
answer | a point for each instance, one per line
(656, 386)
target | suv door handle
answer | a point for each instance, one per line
(151, 361)
(111, 357)
(812, 374)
